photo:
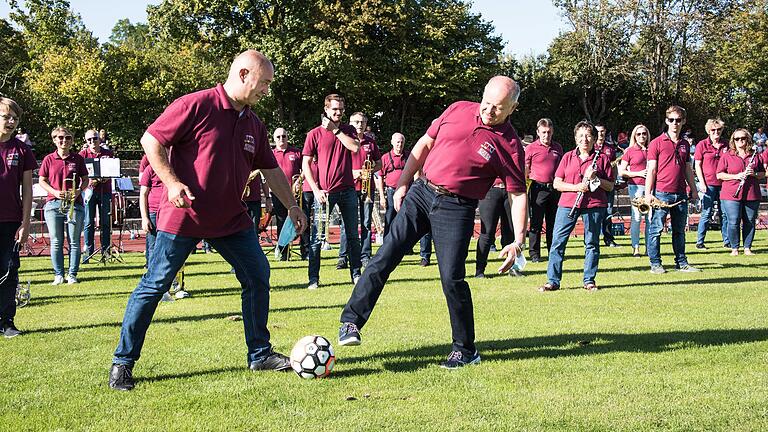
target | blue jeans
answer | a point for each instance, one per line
(425, 244)
(366, 249)
(102, 201)
(744, 212)
(708, 200)
(56, 221)
(637, 191)
(241, 250)
(593, 219)
(9, 271)
(151, 235)
(347, 201)
(451, 221)
(679, 215)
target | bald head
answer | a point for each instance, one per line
(249, 78)
(281, 138)
(499, 100)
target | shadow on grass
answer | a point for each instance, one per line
(567, 345)
(337, 374)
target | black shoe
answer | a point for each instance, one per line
(700, 246)
(457, 360)
(10, 330)
(342, 264)
(535, 259)
(727, 245)
(612, 244)
(424, 262)
(349, 335)
(274, 361)
(121, 377)
(479, 275)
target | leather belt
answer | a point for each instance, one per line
(545, 185)
(440, 190)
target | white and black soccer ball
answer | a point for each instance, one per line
(312, 357)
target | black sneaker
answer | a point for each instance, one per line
(457, 360)
(700, 246)
(424, 262)
(121, 377)
(342, 264)
(611, 243)
(274, 361)
(10, 330)
(349, 334)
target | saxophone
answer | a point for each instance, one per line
(67, 206)
(366, 175)
(376, 219)
(297, 185)
(644, 206)
(251, 177)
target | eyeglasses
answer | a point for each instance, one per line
(716, 130)
(92, 139)
(63, 137)
(641, 134)
(741, 138)
(674, 120)
(279, 136)
(7, 117)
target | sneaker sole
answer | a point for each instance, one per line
(473, 362)
(350, 342)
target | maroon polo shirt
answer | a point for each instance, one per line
(254, 189)
(572, 169)
(709, 157)
(543, 160)
(143, 164)
(17, 158)
(289, 161)
(671, 158)
(608, 150)
(731, 163)
(212, 149)
(56, 169)
(636, 158)
(392, 166)
(149, 179)
(333, 159)
(315, 175)
(105, 187)
(467, 155)
(368, 149)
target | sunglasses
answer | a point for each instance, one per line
(674, 120)
(716, 130)
(92, 139)
(741, 138)
(63, 137)
(641, 134)
(279, 136)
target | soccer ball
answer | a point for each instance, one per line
(312, 357)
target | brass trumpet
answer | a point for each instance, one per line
(644, 206)
(366, 175)
(297, 184)
(67, 206)
(376, 219)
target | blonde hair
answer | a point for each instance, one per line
(633, 140)
(732, 143)
(678, 109)
(712, 123)
(60, 129)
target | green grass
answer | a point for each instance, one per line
(683, 352)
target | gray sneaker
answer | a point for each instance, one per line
(657, 269)
(685, 268)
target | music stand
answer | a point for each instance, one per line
(107, 168)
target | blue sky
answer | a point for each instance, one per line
(526, 26)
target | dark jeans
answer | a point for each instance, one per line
(307, 203)
(425, 244)
(708, 200)
(741, 213)
(495, 205)
(9, 271)
(102, 202)
(608, 220)
(451, 221)
(280, 213)
(543, 202)
(366, 249)
(151, 235)
(679, 215)
(564, 225)
(347, 201)
(241, 250)
(254, 211)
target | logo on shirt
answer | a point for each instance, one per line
(13, 159)
(486, 150)
(71, 167)
(249, 144)
(292, 157)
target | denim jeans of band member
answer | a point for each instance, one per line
(708, 200)
(307, 203)
(493, 207)
(607, 223)
(102, 202)
(679, 214)
(56, 222)
(564, 225)
(425, 244)
(280, 213)
(364, 215)
(347, 201)
(637, 191)
(741, 213)
(254, 211)
(543, 204)
(9, 271)
(451, 221)
(151, 235)
(241, 250)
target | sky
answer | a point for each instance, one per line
(527, 26)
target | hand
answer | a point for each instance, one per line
(582, 187)
(589, 173)
(23, 234)
(356, 174)
(299, 219)
(510, 253)
(399, 196)
(146, 225)
(694, 195)
(268, 205)
(321, 196)
(642, 173)
(383, 202)
(329, 124)
(179, 195)
(58, 194)
(749, 171)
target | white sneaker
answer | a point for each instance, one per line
(58, 280)
(166, 297)
(313, 286)
(355, 279)
(182, 294)
(71, 279)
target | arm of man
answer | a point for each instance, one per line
(43, 181)
(26, 206)
(412, 166)
(379, 181)
(691, 182)
(650, 179)
(267, 197)
(352, 144)
(146, 224)
(282, 190)
(700, 176)
(320, 195)
(157, 156)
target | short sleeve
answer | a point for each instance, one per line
(263, 158)
(82, 170)
(560, 171)
(174, 124)
(434, 128)
(145, 179)
(310, 144)
(515, 178)
(29, 162)
(722, 165)
(653, 151)
(45, 167)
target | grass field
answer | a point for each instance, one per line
(684, 352)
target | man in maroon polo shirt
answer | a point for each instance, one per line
(289, 160)
(203, 147)
(607, 148)
(98, 195)
(669, 169)
(541, 160)
(706, 158)
(462, 153)
(333, 144)
(16, 165)
(369, 151)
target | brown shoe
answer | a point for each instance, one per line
(591, 287)
(549, 287)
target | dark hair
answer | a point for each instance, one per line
(333, 97)
(584, 124)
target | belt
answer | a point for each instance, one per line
(440, 190)
(544, 185)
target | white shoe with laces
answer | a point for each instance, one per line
(71, 279)
(58, 280)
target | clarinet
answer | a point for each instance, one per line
(744, 180)
(580, 195)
